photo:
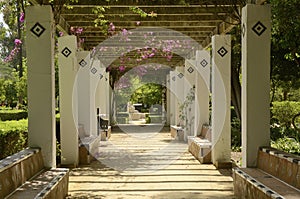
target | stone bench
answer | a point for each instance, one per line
(23, 175)
(177, 132)
(88, 147)
(277, 176)
(200, 146)
(105, 133)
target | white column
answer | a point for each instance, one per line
(190, 82)
(108, 91)
(203, 63)
(168, 99)
(173, 100)
(221, 95)
(102, 93)
(179, 91)
(41, 83)
(256, 42)
(85, 105)
(67, 47)
(94, 79)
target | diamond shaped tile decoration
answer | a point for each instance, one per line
(180, 75)
(190, 70)
(222, 51)
(93, 70)
(82, 63)
(100, 76)
(259, 28)
(243, 30)
(37, 29)
(66, 52)
(203, 63)
(173, 78)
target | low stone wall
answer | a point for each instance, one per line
(24, 175)
(276, 176)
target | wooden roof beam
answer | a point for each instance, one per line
(119, 10)
(174, 17)
(141, 3)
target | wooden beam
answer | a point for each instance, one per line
(63, 26)
(121, 10)
(208, 18)
(153, 3)
(132, 24)
(175, 28)
(91, 34)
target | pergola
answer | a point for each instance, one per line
(198, 20)
(205, 22)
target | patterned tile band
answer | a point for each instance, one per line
(52, 184)
(17, 157)
(258, 184)
(281, 154)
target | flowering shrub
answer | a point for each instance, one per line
(14, 51)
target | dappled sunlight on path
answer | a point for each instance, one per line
(132, 165)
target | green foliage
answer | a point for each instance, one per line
(138, 11)
(13, 88)
(283, 135)
(185, 108)
(13, 137)
(236, 139)
(10, 12)
(285, 58)
(10, 92)
(283, 112)
(12, 115)
(289, 145)
(286, 27)
(148, 94)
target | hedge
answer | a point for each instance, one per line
(6, 115)
(283, 112)
(13, 137)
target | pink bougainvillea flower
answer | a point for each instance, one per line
(121, 68)
(112, 27)
(124, 32)
(61, 34)
(18, 42)
(79, 30)
(138, 23)
(144, 56)
(22, 17)
(151, 55)
(169, 57)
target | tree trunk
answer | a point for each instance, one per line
(20, 55)
(236, 92)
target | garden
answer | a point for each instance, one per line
(284, 92)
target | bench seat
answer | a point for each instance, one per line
(88, 148)
(177, 132)
(277, 175)
(259, 184)
(23, 175)
(200, 149)
(47, 184)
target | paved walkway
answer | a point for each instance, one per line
(147, 165)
